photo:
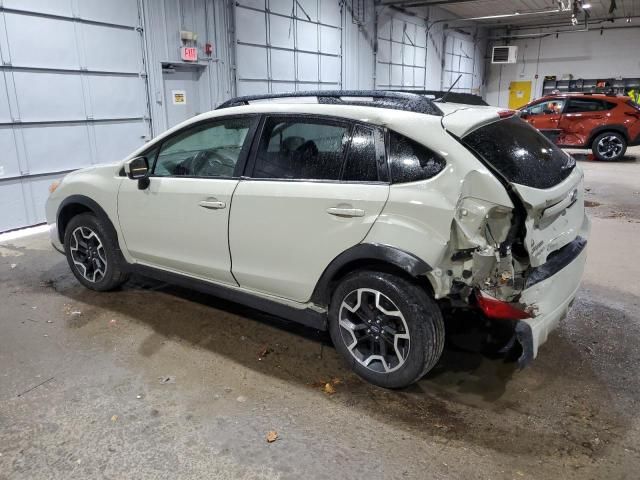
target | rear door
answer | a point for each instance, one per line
(581, 116)
(315, 186)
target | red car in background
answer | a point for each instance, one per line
(607, 124)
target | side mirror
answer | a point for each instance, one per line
(138, 169)
(524, 115)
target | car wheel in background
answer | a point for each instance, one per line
(609, 146)
(388, 329)
(92, 253)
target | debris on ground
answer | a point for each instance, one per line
(266, 350)
(76, 312)
(114, 418)
(328, 389)
(13, 265)
(138, 397)
(113, 322)
(241, 399)
(49, 321)
(272, 436)
(167, 379)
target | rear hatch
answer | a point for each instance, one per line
(536, 171)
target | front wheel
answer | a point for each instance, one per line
(92, 254)
(609, 146)
(387, 328)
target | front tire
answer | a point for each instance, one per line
(387, 328)
(609, 146)
(92, 254)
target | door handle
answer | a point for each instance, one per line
(345, 212)
(212, 204)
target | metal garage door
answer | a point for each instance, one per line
(72, 93)
(459, 55)
(400, 62)
(285, 45)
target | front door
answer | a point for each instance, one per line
(180, 222)
(545, 116)
(314, 192)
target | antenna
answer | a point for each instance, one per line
(448, 91)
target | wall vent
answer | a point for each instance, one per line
(507, 54)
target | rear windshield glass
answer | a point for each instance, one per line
(520, 153)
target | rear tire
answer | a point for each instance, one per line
(387, 328)
(609, 146)
(93, 254)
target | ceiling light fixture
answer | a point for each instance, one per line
(586, 6)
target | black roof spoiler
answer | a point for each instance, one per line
(369, 98)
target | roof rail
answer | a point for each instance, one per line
(368, 98)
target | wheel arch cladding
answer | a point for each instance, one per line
(76, 205)
(367, 256)
(621, 129)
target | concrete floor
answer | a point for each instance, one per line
(157, 382)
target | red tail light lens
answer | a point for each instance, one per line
(506, 113)
(494, 308)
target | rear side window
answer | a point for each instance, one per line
(409, 161)
(362, 160)
(520, 153)
(588, 105)
(303, 149)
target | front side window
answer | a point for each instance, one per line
(302, 149)
(548, 107)
(409, 161)
(209, 150)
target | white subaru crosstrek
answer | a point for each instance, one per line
(371, 214)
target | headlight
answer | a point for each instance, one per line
(53, 186)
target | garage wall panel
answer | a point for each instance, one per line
(29, 50)
(9, 166)
(68, 144)
(71, 71)
(283, 45)
(57, 7)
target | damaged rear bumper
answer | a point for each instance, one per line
(551, 291)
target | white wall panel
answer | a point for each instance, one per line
(114, 141)
(122, 12)
(116, 97)
(56, 147)
(5, 112)
(9, 166)
(111, 49)
(13, 202)
(296, 46)
(53, 47)
(57, 7)
(58, 101)
(44, 96)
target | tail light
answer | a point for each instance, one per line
(494, 308)
(506, 113)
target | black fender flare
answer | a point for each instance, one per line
(358, 256)
(88, 203)
(621, 129)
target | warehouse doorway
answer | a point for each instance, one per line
(181, 92)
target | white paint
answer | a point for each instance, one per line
(583, 54)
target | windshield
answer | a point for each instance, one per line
(520, 153)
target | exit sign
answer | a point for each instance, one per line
(189, 54)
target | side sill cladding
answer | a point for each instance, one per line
(358, 256)
(85, 202)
